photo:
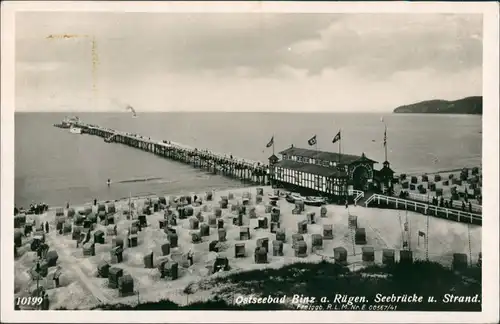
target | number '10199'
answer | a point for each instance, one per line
(29, 301)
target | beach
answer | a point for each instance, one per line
(81, 288)
(75, 168)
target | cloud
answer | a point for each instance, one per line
(247, 61)
(383, 44)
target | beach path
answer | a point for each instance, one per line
(70, 262)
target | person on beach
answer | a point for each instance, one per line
(56, 276)
(190, 257)
(346, 203)
(95, 202)
(109, 182)
(67, 205)
(45, 302)
(39, 251)
(87, 238)
(46, 227)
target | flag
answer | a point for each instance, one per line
(271, 142)
(385, 137)
(336, 138)
(312, 141)
(420, 233)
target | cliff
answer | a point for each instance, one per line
(469, 105)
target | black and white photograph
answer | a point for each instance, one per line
(250, 157)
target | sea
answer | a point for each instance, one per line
(56, 167)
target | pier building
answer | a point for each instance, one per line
(327, 173)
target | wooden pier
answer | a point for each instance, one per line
(249, 172)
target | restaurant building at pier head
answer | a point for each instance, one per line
(328, 174)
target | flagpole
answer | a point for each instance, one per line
(385, 140)
(273, 144)
(340, 145)
(427, 240)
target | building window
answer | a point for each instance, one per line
(279, 173)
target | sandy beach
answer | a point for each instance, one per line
(80, 287)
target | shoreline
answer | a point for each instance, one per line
(241, 185)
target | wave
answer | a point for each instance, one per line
(139, 180)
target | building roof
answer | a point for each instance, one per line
(387, 171)
(326, 156)
(311, 168)
(273, 158)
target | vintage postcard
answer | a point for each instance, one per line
(329, 161)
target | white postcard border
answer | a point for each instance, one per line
(490, 163)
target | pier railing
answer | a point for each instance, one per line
(456, 203)
(382, 201)
(358, 194)
(113, 132)
(250, 171)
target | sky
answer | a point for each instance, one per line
(244, 61)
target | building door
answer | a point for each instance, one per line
(360, 178)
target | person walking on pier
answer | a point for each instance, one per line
(470, 207)
(463, 206)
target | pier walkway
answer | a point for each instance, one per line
(248, 171)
